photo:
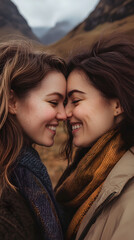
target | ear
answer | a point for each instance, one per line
(12, 102)
(117, 107)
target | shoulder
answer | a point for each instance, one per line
(119, 211)
(16, 219)
(119, 214)
(116, 219)
(125, 199)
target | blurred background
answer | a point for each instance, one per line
(62, 27)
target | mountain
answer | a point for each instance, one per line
(109, 16)
(12, 22)
(57, 32)
(40, 31)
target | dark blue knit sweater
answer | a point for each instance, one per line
(32, 181)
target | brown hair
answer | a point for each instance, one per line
(20, 70)
(109, 65)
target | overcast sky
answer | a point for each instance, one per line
(48, 12)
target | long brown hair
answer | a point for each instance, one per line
(109, 64)
(20, 70)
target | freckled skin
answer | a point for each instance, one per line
(37, 110)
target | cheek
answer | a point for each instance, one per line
(43, 113)
(42, 110)
(104, 117)
(78, 112)
(50, 113)
(83, 113)
(81, 110)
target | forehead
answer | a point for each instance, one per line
(77, 79)
(52, 82)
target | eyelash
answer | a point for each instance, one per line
(53, 103)
(76, 101)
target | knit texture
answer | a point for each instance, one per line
(80, 188)
(32, 181)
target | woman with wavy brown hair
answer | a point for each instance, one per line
(32, 92)
(97, 189)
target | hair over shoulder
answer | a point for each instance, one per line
(109, 64)
(21, 69)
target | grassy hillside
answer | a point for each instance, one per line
(84, 39)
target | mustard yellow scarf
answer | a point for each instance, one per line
(80, 188)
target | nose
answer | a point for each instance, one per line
(61, 114)
(68, 111)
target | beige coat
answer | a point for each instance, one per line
(111, 217)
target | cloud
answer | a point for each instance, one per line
(48, 12)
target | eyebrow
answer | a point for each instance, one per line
(56, 93)
(74, 91)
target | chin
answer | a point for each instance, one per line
(49, 144)
(82, 144)
(77, 144)
(45, 144)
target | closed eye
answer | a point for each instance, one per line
(76, 101)
(53, 103)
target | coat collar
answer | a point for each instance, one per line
(122, 172)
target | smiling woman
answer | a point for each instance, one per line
(89, 112)
(40, 111)
(97, 189)
(32, 93)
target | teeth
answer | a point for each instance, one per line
(52, 128)
(76, 126)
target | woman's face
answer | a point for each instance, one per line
(89, 113)
(41, 110)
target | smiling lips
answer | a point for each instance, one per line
(76, 126)
(52, 128)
